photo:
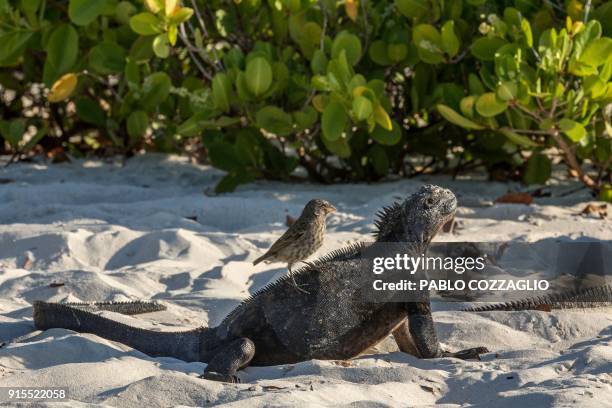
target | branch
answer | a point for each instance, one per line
(587, 8)
(323, 31)
(527, 131)
(458, 57)
(205, 31)
(321, 47)
(525, 110)
(365, 25)
(571, 161)
(201, 53)
(183, 36)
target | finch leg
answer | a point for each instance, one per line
(293, 280)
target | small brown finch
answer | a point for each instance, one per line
(303, 237)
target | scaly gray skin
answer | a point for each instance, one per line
(278, 325)
(130, 307)
(599, 296)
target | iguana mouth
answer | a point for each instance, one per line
(450, 206)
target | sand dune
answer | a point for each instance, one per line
(98, 231)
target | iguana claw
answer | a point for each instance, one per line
(213, 376)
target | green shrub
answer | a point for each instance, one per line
(349, 90)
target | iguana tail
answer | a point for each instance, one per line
(131, 307)
(184, 345)
(600, 296)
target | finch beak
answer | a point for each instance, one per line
(331, 209)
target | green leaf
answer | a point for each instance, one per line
(145, 24)
(466, 105)
(517, 139)
(379, 160)
(221, 92)
(193, 125)
(450, 41)
(603, 13)
(29, 7)
(124, 11)
(156, 88)
(161, 46)
(89, 111)
(397, 52)
(488, 105)
(242, 89)
(232, 180)
(538, 169)
(506, 91)
(305, 118)
(12, 46)
(378, 53)
(475, 86)
(412, 8)
(83, 12)
(484, 48)
(387, 137)
(339, 71)
(350, 44)
(429, 43)
(605, 194)
(590, 33)
(381, 117)
(528, 36)
(333, 121)
(274, 120)
(362, 107)
(597, 52)
(572, 129)
(339, 147)
(142, 49)
(12, 131)
(62, 49)
(224, 156)
(455, 118)
(318, 64)
(107, 58)
(181, 15)
(258, 75)
(132, 72)
(136, 125)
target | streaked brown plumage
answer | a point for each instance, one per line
(303, 238)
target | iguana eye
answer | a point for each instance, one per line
(429, 202)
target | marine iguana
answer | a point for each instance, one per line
(276, 325)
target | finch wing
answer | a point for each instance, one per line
(293, 234)
(288, 238)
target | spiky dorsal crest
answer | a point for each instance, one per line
(336, 255)
(385, 219)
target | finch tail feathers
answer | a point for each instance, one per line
(261, 258)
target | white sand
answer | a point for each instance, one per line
(113, 233)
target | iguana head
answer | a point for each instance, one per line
(418, 218)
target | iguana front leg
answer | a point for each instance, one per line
(228, 359)
(423, 332)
